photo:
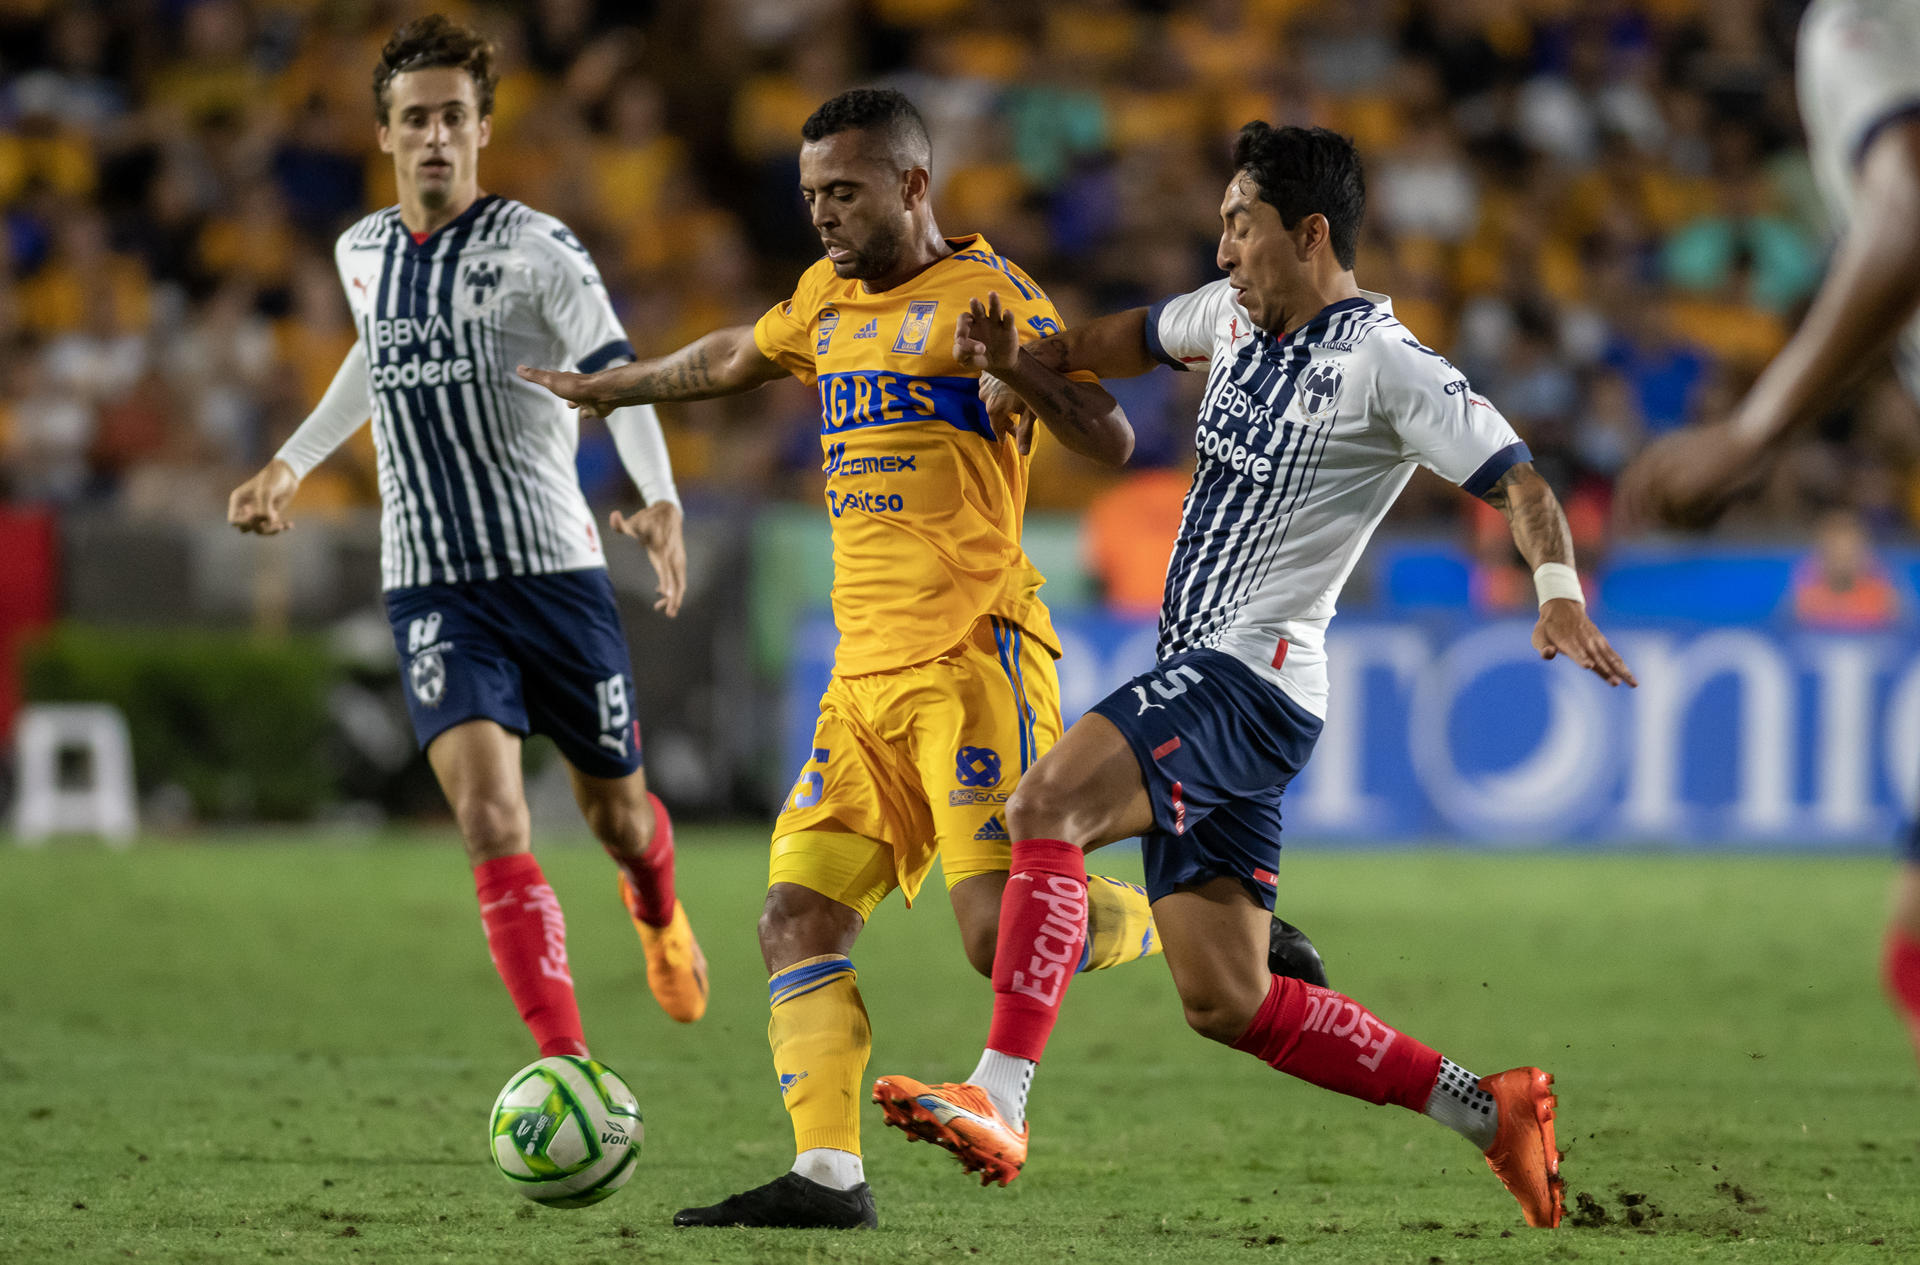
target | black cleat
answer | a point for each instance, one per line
(790, 1201)
(1291, 954)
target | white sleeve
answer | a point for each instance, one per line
(583, 321)
(348, 402)
(574, 300)
(1181, 329)
(1440, 421)
(643, 451)
(1859, 70)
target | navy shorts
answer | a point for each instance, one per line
(1216, 745)
(534, 653)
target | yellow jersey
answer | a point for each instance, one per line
(926, 501)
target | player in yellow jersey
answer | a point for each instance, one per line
(943, 689)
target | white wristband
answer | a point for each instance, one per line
(1557, 579)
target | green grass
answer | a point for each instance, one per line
(285, 1049)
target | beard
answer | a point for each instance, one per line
(876, 259)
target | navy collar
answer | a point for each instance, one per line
(1317, 324)
(426, 244)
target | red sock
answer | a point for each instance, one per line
(1043, 927)
(1900, 971)
(528, 939)
(1332, 1041)
(651, 878)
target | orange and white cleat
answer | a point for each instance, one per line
(960, 1118)
(1523, 1155)
(676, 968)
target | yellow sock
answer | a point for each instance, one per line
(1119, 924)
(821, 1039)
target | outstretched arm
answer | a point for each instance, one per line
(259, 505)
(1871, 291)
(1540, 531)
(1113, 346)
(1081, 415)
(658, 526)
(725, 362)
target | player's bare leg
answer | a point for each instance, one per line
(1901, 961)
(632, 825)
(819, 1027)
(976, 908)
(478, 766)
(1119, 923)
(1216, 935)
(1218, 965)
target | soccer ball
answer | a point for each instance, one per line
(566, 1131)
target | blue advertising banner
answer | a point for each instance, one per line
(1444, 727)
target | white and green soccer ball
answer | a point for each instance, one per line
(566, 1131)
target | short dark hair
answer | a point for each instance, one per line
(1303, 170)
(880, 110)
(431, 41)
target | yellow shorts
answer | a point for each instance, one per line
(915, 763)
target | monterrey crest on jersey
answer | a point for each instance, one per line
(476, 466)
(1303, 442)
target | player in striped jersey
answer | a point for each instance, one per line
(1318, 406)
(1859, 80)
(502, 612)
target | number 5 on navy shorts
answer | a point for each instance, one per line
(1216, 747)
(532, 653)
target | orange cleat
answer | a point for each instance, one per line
(1523, 1155)
(960, 1118)
(676, 968)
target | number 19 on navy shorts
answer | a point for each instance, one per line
(533, 653)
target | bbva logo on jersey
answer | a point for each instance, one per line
(1318, 388)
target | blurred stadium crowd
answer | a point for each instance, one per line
(1600, 209)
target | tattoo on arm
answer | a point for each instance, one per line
(1081, 415)
(1533, 514)
(724, 362)
(1050, 351)
(1055, 401)
(684, 375)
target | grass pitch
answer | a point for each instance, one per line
(284, 1049)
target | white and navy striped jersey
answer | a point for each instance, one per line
(1304, 442)
(1859, 70)
(476, 466)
